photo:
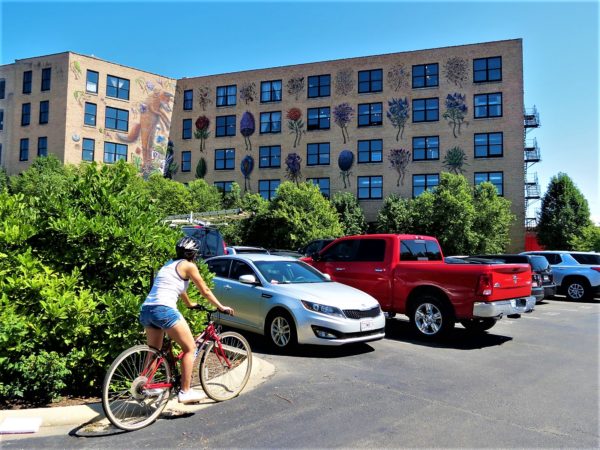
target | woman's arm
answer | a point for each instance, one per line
(190, 271)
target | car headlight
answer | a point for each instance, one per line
(323, 309)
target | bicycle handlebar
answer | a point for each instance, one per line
(200, 307)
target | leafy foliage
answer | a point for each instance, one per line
(350, 214)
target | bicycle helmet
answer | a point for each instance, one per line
(187, 248)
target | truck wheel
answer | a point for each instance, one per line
(430, 317)
(576, 289)
(281, 330)
(478, 325)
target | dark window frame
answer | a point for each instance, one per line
(88, 82)
(318, 123)
(42, 150)
(371, 84)
(225, 98)
(225, 130)
(486, 71)
(371, 195)
(371, 116)
(370, 152)
(27, 81)
(271, 127)
(24, 149)
(270, 157)
(427, 149)
(488, 175)
(46, 79)
(321, 86)
(186, 161)
(271, 192)
(317, 182)
(426, 110)
(44, 114)
(487, 106)
(272, 93)
(120, 92)
(186, 129)
(86, 151)
(223, 186)
(318, 156)
(87, 117)
(224, 156)
(427, 186)
(188, 99)
(2, 88)
(120, 124)
(25, 114)
(486, 147)
(425, 76)
(1, 120)
(117, 153)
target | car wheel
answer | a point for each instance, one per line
(577, 289)
(281, 330)
(478, 325)
(431, 318)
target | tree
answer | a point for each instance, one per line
(350, 214)
(395, 215)
(565, 214)
(492, 219)
(589, 241)
(169, 197)
(204, 197)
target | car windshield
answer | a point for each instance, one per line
(587, 258)
(286, 272)
(539, 263)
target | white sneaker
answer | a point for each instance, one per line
(191, 396)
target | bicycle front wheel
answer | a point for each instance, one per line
(223, 374)
(128, 398)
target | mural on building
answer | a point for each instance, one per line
(247, 128)
(203, 97)
(455, 159)
(246, 168)
(292, 167)
(344, 82)
(295, 86)
(202, 133)
(248, 92)
(295, 124)
(399, 159)
(201, 168)
(398, 114)
(456, 70)
(342, 115)
(76, 69)
(345, 161)
(170, 167)
(456, 111)
(398, 77)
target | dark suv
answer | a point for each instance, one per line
(540, 269)
(211, 241)
(315, 246)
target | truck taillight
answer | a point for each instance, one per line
(536, 280)
(484, 287)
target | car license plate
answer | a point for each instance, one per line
(366, 325)
(546, 278)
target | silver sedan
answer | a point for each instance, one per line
(291, 302)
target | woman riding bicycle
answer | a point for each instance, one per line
(159, 313)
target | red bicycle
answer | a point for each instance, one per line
(140, 381)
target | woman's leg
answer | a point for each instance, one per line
(154, 337)
(181, 334)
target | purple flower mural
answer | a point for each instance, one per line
(246, 168)
(345, 161)
(456, 70)
(456, 110)
(247, 127)
(398, 114)
(399, 159)
(342, 115)
(292, 163)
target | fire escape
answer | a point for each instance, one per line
(532, 156)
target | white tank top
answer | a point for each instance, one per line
(168, 286)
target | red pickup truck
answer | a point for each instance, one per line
(407, 275)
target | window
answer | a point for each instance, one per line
(46, 78)
(42, 146)
(27, 76)
(113, 152)
(426, 110)
(267, 188)
(322, 183)
(270, 91)
(270, 122)
(487, 69)
(87, 149)
(419, 250)
(116, 119)
(425, 75)
(369, 114)
(223, 186)
(488, 145)
(370, 187)
(319, 86)
(188, 100)
(25, 114)
(269, 156)
(370, 81)
(239, 268)
(2, 88)
(44, 111)
(425, 182)
(117, 87)
(488, 105)
(225, 126)
(186, 129)
(496, 178)
(317, 154)
(370, 151)
(367, 250)
(186, 161)
(1, 120)
(225, 159)
(227, 95)
(91, 81)
(426, 148)
(318, 119)
(586, 258)
(24, 150)
(90, 114)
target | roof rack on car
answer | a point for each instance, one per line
(206, 218)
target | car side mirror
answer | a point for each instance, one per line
(248, 279)
(316, 256)
(327, 276)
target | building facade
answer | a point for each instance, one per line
(373, 126)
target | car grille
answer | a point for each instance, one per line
(361, 314)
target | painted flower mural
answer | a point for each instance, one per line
(398, 114)
(455, 159)
(202, 133)
(201, 168)
(456, 110)
(399, 159)
(203, 97)
(247, 128)
(345, 161)
(292, 164)
(342, 115)
(295, 124)
(170, 167)
(246, 168)
(295, 86)
(398, 77)
(456, 70)
(248, 92)
(344, 82)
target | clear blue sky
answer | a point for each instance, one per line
(193, 38)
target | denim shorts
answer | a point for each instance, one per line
(159, 316)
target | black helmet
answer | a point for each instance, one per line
(187, 248)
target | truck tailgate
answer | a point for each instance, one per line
(510, 281)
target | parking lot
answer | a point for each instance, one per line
(531, 382)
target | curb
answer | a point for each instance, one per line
(84, 414)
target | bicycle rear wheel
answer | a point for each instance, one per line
(127, 402)
(220, 380)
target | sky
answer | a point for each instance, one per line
(194, 38)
